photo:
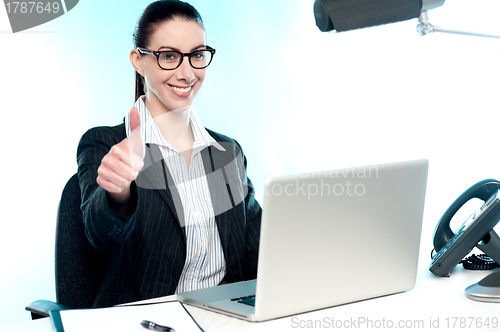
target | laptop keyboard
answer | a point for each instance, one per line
(248, 300)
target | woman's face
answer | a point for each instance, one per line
(170, 90)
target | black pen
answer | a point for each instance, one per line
(153, 326)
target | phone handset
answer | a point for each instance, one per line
(451, 247)
(482, 190)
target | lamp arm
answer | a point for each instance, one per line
(424, 27)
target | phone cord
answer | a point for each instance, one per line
(480, 262)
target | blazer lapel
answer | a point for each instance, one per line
(213, 161)
(156, 176)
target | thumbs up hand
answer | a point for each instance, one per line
(121, 165)
(135, 141)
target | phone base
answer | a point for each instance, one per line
(490, 245)
(486, 290)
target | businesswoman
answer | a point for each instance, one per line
(168, 199)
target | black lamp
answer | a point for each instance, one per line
(343, 15)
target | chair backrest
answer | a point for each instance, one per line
(79, 268)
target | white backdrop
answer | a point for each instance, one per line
(296, 99)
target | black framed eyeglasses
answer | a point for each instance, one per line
(170, 60)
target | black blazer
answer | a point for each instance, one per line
(148, 247)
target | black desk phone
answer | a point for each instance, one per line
(477, 231)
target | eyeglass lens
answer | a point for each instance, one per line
(171, 60)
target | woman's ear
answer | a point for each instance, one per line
(135, 59)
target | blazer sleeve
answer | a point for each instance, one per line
(253, 214)
(104, 228)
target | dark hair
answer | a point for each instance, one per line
(154, 15)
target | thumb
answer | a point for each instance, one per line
(134, 120)
(135, 141)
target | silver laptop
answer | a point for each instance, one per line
(330, 238)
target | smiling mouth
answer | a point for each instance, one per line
(181, 89)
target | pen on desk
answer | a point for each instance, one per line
(153, 326)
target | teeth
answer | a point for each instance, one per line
(182, 90)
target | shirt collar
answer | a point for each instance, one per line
(151, 133)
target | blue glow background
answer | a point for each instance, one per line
(296, 99)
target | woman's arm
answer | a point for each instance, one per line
(104, 226)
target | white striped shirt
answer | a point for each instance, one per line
(205, 265)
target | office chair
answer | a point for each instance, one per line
(79, 268)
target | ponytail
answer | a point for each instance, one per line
(139, 86)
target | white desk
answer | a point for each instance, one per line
(433, 304)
